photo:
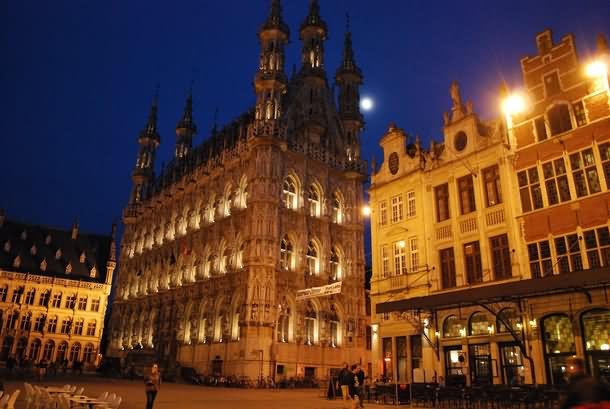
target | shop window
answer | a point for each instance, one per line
(508, 316)
(479, 324)
(452, 327)
(558, 339)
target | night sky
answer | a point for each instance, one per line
(77, 79)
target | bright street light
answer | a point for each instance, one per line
(513, 104)
(596, 69)
(366, 211)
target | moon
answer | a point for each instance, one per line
(366, 104)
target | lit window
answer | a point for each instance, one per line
(383, 213)
(397, 209)
(385, 261)
(466, 192)
(290, 193)
(584, 173)
(311, 323)
(71, 301)
(82, 303)
(335, 265)
(411, 209)
(78, 327)
(400, 258)
(337, 209)
(29, 297)
(286, 251)
(313, 261)
(493, 189)
(56, 300)
(314, 201)
(556, 181)
(414, 250)
(91, 328)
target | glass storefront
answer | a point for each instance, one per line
(558, 338)
(596, 339)
(480, 364)
(512, 364)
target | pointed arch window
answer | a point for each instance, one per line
(289, 190)
(311, 325)
(337, 209)
(314, 201)
(335, 328)
(336, 270)
(286, 254)
(313, 260)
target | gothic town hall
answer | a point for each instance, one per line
(218, 243)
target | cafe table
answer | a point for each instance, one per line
(83, 400)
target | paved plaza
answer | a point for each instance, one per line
(183, 396)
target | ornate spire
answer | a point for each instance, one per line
(313, 33)
(186, 128)
(150, 131)
(274, 20)
(348, 64)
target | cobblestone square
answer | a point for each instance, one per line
(184, 396)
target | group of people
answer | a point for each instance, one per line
(351, 381)
(41, 368)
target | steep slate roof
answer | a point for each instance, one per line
(48, 241)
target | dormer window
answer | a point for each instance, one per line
(17, 262)
(551, 84)
(33, 250)
(7, 246)
(69, 268)
(47, 239)
(82, 257)
(58, 254)
(93, 273)
(43, 265)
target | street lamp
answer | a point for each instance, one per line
(597, 70)
(513, 104)
(366, 211)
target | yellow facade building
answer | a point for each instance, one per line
(490, 248)
(54, 287)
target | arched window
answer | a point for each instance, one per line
(49, 348)
(89, 354)
(313, 199)
(78, 326)
(335, 328)
(12, 320)
(311, 325)
(510, 317)
(337, 208)
(239, 256)
(452, 327)
(596, 329)
(227, 201)
(26, 321)
(289, 190)
(286, 254)
(558, 339)
(336, 271)
(241, 196)
(34, 350)
(559, 119)
(479, 324)
(75, 352)
(313, 260)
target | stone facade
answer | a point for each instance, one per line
(217, 245)
(490, 249)
(54, 287)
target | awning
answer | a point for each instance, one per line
(509, 291)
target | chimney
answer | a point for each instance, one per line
(75, 230)
(2, 217)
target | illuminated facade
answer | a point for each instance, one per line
(217, 245)
(491, 249)
(54, 287)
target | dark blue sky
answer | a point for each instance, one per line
(77, 77)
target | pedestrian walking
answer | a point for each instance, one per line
(582, 388)
(152, 384)
(359, 376)
(346, 381)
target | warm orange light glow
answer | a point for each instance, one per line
(596, 69)
(513, 104)
(366, 211)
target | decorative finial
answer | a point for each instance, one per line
(456, 98)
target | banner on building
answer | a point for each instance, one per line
(334, 288)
